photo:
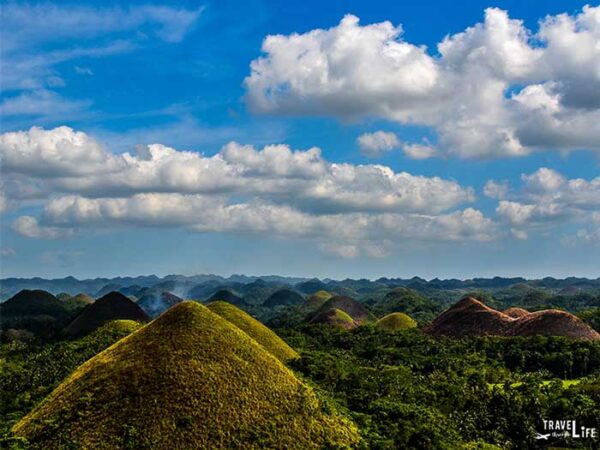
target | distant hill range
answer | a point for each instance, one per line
(253, 288)
(470, 317)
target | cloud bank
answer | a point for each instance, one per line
(496, 89)
(273, 191)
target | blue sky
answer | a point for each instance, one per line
(498, 106)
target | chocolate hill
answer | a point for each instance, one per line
(255, 329)
(396, 321)
(515, 312)
(112, 306)
(35, 310)
(470, 317)
(354, 309)
(227, 296)
(334, 317)
(284, 297)
(155, 304)
(189, 379)
(316, 300)
(552, 322)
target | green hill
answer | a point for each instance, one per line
(112, 306)
(189, 379)
(396, 322)
(34, 310)
(224, 295)
(347, 304)
(284, 297)
(316, 300)
(255, 329)
(334, 317)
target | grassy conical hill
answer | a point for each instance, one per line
(396, 322)
(284, 297)
(112, 306)
(334, 317)
(189, 379)
(317, 300)
(34, 310)
(224, 295)
(255, 329)
(350, 306)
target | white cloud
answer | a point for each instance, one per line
(419, 151)
(7, 252)
(548, 199)
(375, 145)
(274, 191)
(495, 189)
(28, 226)
(73, 162)
(496, 89)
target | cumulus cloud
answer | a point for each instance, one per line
(28, 226)
(495, 189)
(495, 89)
(419, 151)
(67, 161)
(375, 145)
(546, 199)
(274, 191)
(6, 252)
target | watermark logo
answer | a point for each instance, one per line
(564, 429)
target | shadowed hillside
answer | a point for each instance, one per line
(34, 310)
(255, 329)
(227, 296)
(354, 309)
(334, 317)
(112, 306)
(206, 385)
(284, 297)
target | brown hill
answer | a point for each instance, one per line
(470, 317)
(112, 306)
(354, 309)
(334, 317)
(552, 322)
(515, 312)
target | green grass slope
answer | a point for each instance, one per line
(255, 329)
(396, 322)
(334, 317)
(189, 379)
(317, 300)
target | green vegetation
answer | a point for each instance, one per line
(253, 328)
(409, 390)
(189, 379)
(316, 300)
(36, 311)
(396, 322)
(30, 371)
